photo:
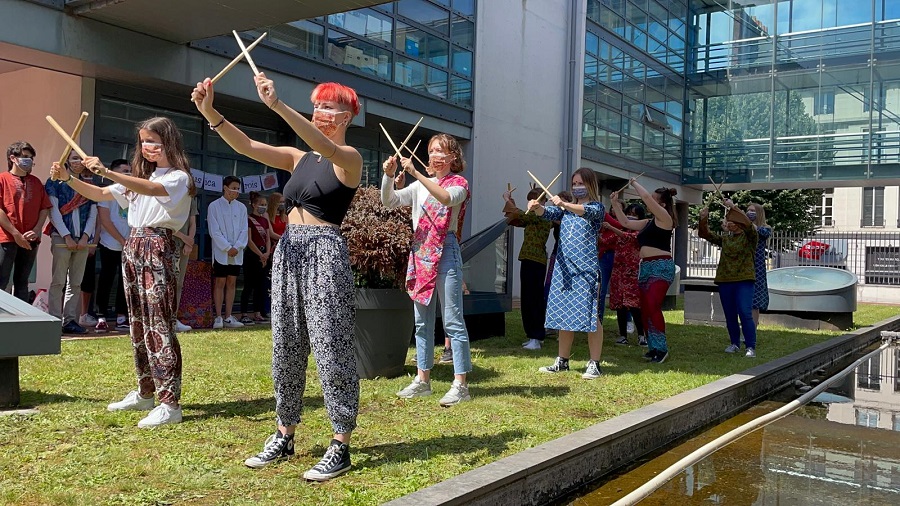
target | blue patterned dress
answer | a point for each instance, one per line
(761, 287)
(574, 288)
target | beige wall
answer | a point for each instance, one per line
(26, 97)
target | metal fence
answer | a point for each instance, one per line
(873, 256)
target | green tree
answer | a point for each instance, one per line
(787, 211)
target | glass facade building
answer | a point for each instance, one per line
(764, 92)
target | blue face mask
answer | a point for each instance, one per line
(579, 192)
(751, 215)
(25, 164)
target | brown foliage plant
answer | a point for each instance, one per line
(378, 239)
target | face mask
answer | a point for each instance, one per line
(280, 208)
(152, 151)
(751, 215)
(439, 161)
(261, 209)
(26, 164)
(579, 192)
(324, 120)
(228, 192)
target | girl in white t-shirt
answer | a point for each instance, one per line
(157, 196)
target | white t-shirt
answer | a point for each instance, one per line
(415, 195)
(169, 212)
(119, 218)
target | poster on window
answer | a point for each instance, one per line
(212, 182)
(269, 181)
(252, 184)
(198, 177)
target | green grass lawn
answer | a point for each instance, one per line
(75, 452)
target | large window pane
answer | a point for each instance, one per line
(420, 44)
(366, 22)
(462, 61)
(463, 32)
(421, 77)
(461, 90)
(466, 7)
(303, 37)
(425, 13)
(357, 55)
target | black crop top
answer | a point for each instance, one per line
(655, 237)
(315, 187)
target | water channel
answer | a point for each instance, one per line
(841, 449)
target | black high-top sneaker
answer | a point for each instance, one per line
(335, 462)
(278, 447)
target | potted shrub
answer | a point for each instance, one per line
(378, 239)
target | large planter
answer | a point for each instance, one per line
(384, 328)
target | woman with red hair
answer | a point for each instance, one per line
(313, 301)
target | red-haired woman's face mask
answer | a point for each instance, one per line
(327, 119)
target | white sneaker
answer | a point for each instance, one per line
(87, 320)
(232, 322)
(180, 327)
(417, 388)
(457, 393)
(630, 327)
(217, 324)
(751, 353)
(161, 415)
(132, 402)
(732, 348)
(532, 344)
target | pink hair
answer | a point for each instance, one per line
(335, 92)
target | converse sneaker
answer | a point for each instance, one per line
(650, 354)
(532, 344)
(218, 323)
(248, 321)
(132, 402)
(592, 371)
(560, 365)
(751, 353)
(161, 415)
(122, 323)
(335, 462)
(72, 327)
(232, 323)
(457, 393)
(101, 325)
(732, 348)
(642, 341)
(87, 320)
(446, 356)
(277, 447)
(622, 340)
(417, 388)
(180, 327)
(630, 327)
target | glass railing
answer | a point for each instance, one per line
(487, 263)
(796, 158)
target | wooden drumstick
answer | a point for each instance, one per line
(75, 133)
(237, 59)
(245, 52)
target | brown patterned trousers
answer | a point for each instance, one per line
(148, 268)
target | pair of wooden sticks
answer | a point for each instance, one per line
(399, 150)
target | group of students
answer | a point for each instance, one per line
(312, 289)
(629, 257)
(593, 252)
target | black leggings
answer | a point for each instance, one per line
(622, 319)
(256, 284)
(110, 274)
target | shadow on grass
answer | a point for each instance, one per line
(444, 372)
(35, 398)
(242, 408)
(394, 453)
(521, 391)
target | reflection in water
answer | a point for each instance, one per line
(823, 454)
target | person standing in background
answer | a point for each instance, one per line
(73, 220)
(24, 207)
(114, 232)
(227, 222)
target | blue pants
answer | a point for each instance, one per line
(449, 290)
(737, 301)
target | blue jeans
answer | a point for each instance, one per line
(606, 267)
(737, 301)
(448, 288)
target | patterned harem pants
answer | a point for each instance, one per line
(314, 309)
(148, 270)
